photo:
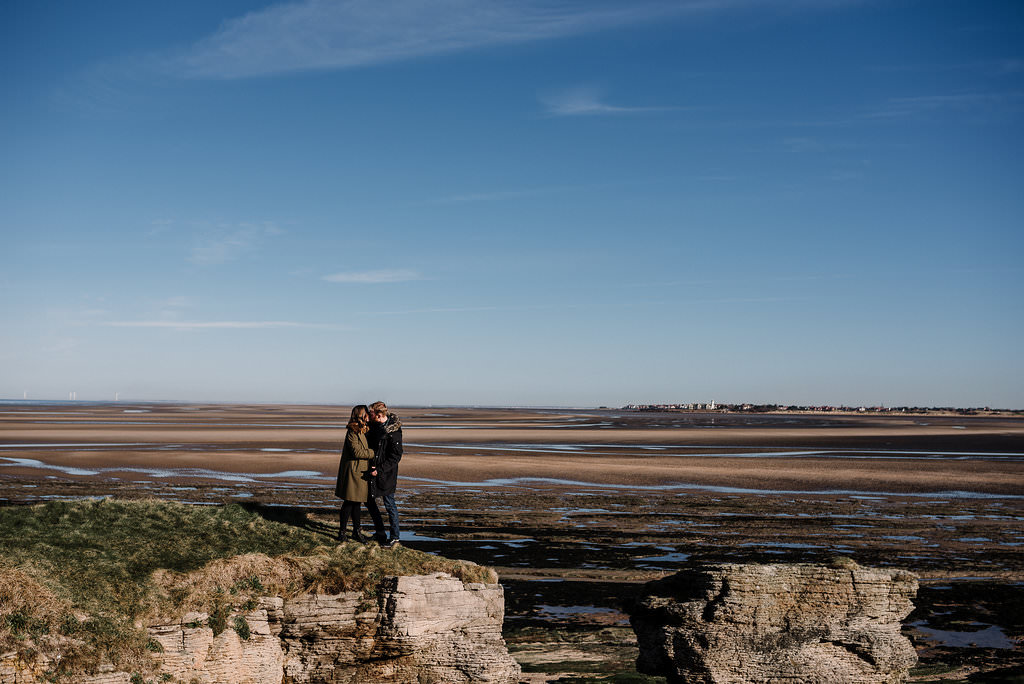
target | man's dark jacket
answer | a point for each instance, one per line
(386, 441)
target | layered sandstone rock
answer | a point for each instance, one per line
(730, 623)
(421, 629)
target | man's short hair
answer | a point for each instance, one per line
(379, 407)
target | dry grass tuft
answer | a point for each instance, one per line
(237, 580)
(38, 625)
(237, 583)
(28, 610)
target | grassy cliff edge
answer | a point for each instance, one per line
(80, 580)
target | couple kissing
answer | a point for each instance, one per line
(368, 470)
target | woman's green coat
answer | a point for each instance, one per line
(355, 462)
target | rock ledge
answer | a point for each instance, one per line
(732, 623)
(420, 629)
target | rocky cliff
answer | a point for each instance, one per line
(418, 629)
(811, 624)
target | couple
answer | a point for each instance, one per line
(369, 468)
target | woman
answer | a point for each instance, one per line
(353, 475)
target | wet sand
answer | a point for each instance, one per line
(577, 508)
(749, 452)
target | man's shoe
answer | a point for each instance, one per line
(359, 538)
(392, 543)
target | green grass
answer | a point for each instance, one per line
(83, 578)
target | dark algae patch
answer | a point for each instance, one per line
(578, 655)
(960, 629)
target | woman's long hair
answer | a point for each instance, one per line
(359, 420)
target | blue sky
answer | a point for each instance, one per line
(513, 203)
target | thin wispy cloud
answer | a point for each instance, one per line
(113, 86)
(717, 178)
(171, 308)
(807, 144)
(493, 196)
(61, 345)
(399, 275)
(748, 300)
(1011, 66)
(588, 101)
(500, 195)
(961, 102)
(228, 242)
(159, 227)
(230, 325)
(465, 309)
(341, 34)
(977, 106)
(804, 278)
(431, 310)
(845, 175)
(177, 302)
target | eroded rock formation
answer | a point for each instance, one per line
(419, 629)
(732, 624)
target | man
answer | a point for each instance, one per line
(385, 438)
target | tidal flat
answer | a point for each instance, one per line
(575, 509)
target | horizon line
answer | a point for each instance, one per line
(557, 407)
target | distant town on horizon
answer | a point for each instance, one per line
(792, 408)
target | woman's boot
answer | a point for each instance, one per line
(356, 534)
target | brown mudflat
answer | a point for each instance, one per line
(470, 445)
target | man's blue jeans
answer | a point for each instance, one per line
(392, 509)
